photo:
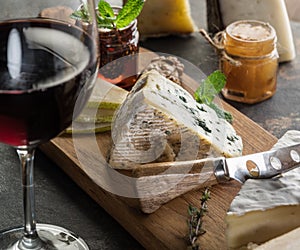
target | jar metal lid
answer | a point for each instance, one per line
(251, 31)
(249, 38)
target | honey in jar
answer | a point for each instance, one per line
(250, 61)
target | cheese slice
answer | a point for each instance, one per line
(100, 109)
(106, 95)
(264, 209)
(288, 241)
(91, 115)
(271, 11)
(165, 17)
(160, 121)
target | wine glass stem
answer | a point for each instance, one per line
(30, 239)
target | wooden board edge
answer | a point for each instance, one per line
(106, 200)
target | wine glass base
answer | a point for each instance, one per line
(53, 238)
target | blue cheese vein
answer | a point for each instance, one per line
(170, 108)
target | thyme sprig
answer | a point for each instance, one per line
(195, 220)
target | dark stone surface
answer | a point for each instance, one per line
(60, 201)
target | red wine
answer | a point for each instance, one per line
(46, 68)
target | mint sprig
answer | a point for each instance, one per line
(105, 10)
(209, 89)
(81, 14)
(106, 18)
(105, 15)
(129, 12)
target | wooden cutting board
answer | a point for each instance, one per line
(167, 227)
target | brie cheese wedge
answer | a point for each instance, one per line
(265, 209)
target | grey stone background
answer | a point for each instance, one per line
(25, 8)
(58, 199)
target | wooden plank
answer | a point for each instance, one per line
(167, 227)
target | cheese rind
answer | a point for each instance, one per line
(264, 209)
(289, 241)
(251, 219)
(270, 11)
(160, 121)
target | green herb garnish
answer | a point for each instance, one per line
(107, 18)
(209, 89)
(81, 14)
(196, 220)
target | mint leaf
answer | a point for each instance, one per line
(209, 89)
(104, 23)
(106, 17)
(81, 14)
(217, 79)
(77, 15)
(105, 10)
(221, 113)
(129, 12)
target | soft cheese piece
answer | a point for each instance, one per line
(288, 241)
(165, 17)
(264, 209)
(106, 95)
(160, 121)
(271, 11)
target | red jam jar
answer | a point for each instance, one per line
(118, 59)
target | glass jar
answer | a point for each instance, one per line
(249, 61)
(118, 47)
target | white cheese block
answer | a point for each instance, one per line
(271, 11)
(264, 209)
(166, 17)
(161, 121)
(288, 241)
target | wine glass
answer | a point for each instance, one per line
(48, 67)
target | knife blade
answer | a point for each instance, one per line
(173, 179)
(262, 165)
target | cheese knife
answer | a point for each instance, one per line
(263, 165)
(176, 178)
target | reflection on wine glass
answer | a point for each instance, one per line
(47, 67)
